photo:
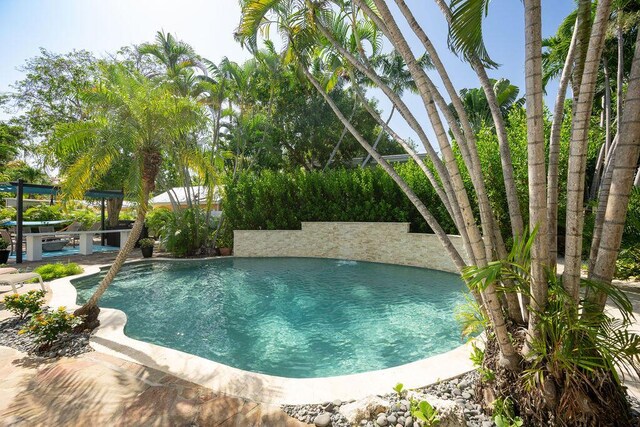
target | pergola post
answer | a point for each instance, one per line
(102, 221)
(19, 206)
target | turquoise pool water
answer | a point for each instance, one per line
(292, 317)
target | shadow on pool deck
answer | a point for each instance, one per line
(98, 389)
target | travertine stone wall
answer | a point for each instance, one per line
(387, 242)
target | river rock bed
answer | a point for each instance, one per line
(454, 398)
(67, 344)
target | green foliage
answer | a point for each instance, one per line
(8, 213)
(146, 243)
(3, 244)
(399, 389)
(476, 356)
(425, 412)
(578, 344)
(186, 232)
(470, 317)
(156, 220)
(628, 263)
(58, 270)
(24, 304)
(45, 327)
(225, 236)
(277, 200)
(43, 213)
(85, 216)
(504, 415)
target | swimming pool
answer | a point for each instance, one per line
(291, 317)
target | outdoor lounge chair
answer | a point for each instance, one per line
(19, 279)
(6, 236)
(51, 244)
(8, 270)
(74, 226)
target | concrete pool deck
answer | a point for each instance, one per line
(109, 338)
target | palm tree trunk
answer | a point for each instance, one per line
(554, 151)
(620, 71)
(342, 135)
(624, 167)
(578, 152)
(433, 223)
(536, 163)
(636, 182)
(382, 131)
(583, 20)
(425, 89)
(603, 197)
(606, 147)
(469, 135)
(90, 309)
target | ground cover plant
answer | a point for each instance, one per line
(57, 270)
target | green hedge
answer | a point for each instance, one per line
(282, 200)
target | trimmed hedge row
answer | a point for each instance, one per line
(282, 200)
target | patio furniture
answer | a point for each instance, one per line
(35, 241)
(8, 270)
(19, 279)
(52, 243)
(74, 226)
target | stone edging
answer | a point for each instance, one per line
(110, 338)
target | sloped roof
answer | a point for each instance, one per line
(179, 194)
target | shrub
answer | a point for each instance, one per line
(58, 270)
(146, 243)
(186, 232)
(7, 213)
(628, 263)
(45, 327)
(156, 220)
(3, 244)
(43, 213)
(86, 217)
(22, 305)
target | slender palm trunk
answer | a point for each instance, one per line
(554, 151)
(90, 309)
(342, 135)
(620, 71)
(606, 147)
(624, 168)
(426, 214)
(380, 134)
(578, 152)
(636, 182)
(536, 163)
(583, 20)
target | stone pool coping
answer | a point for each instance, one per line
(110, 338)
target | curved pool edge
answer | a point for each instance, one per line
(110, 338)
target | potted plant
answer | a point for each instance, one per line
(4, 251)
(146, 246)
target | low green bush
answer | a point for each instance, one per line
(7, 213)
(43, 213)
(628, 263)
(156, 220)
(58, 270)
(86, 217)
(186, 232)
(24, 304)
(45, 327)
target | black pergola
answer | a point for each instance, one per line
(20, 188)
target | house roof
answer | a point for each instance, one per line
(179, 194)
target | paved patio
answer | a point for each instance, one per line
(97, 389)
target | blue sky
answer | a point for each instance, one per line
(103, 26)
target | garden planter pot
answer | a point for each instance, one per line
(147, 252)
(4, 255)
(225, 251)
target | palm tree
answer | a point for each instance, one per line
(130, 115)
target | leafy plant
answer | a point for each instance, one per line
(43, 213)
(472, 320)
(58, 270)
(3, 244)
(7, 213)
(424, 411)
(24, 304)
(45, 327)
(146, 242)
(477, 355)
(186, 232)
(503, 414)
(399, 389)
(628, 263)
(156, 220)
